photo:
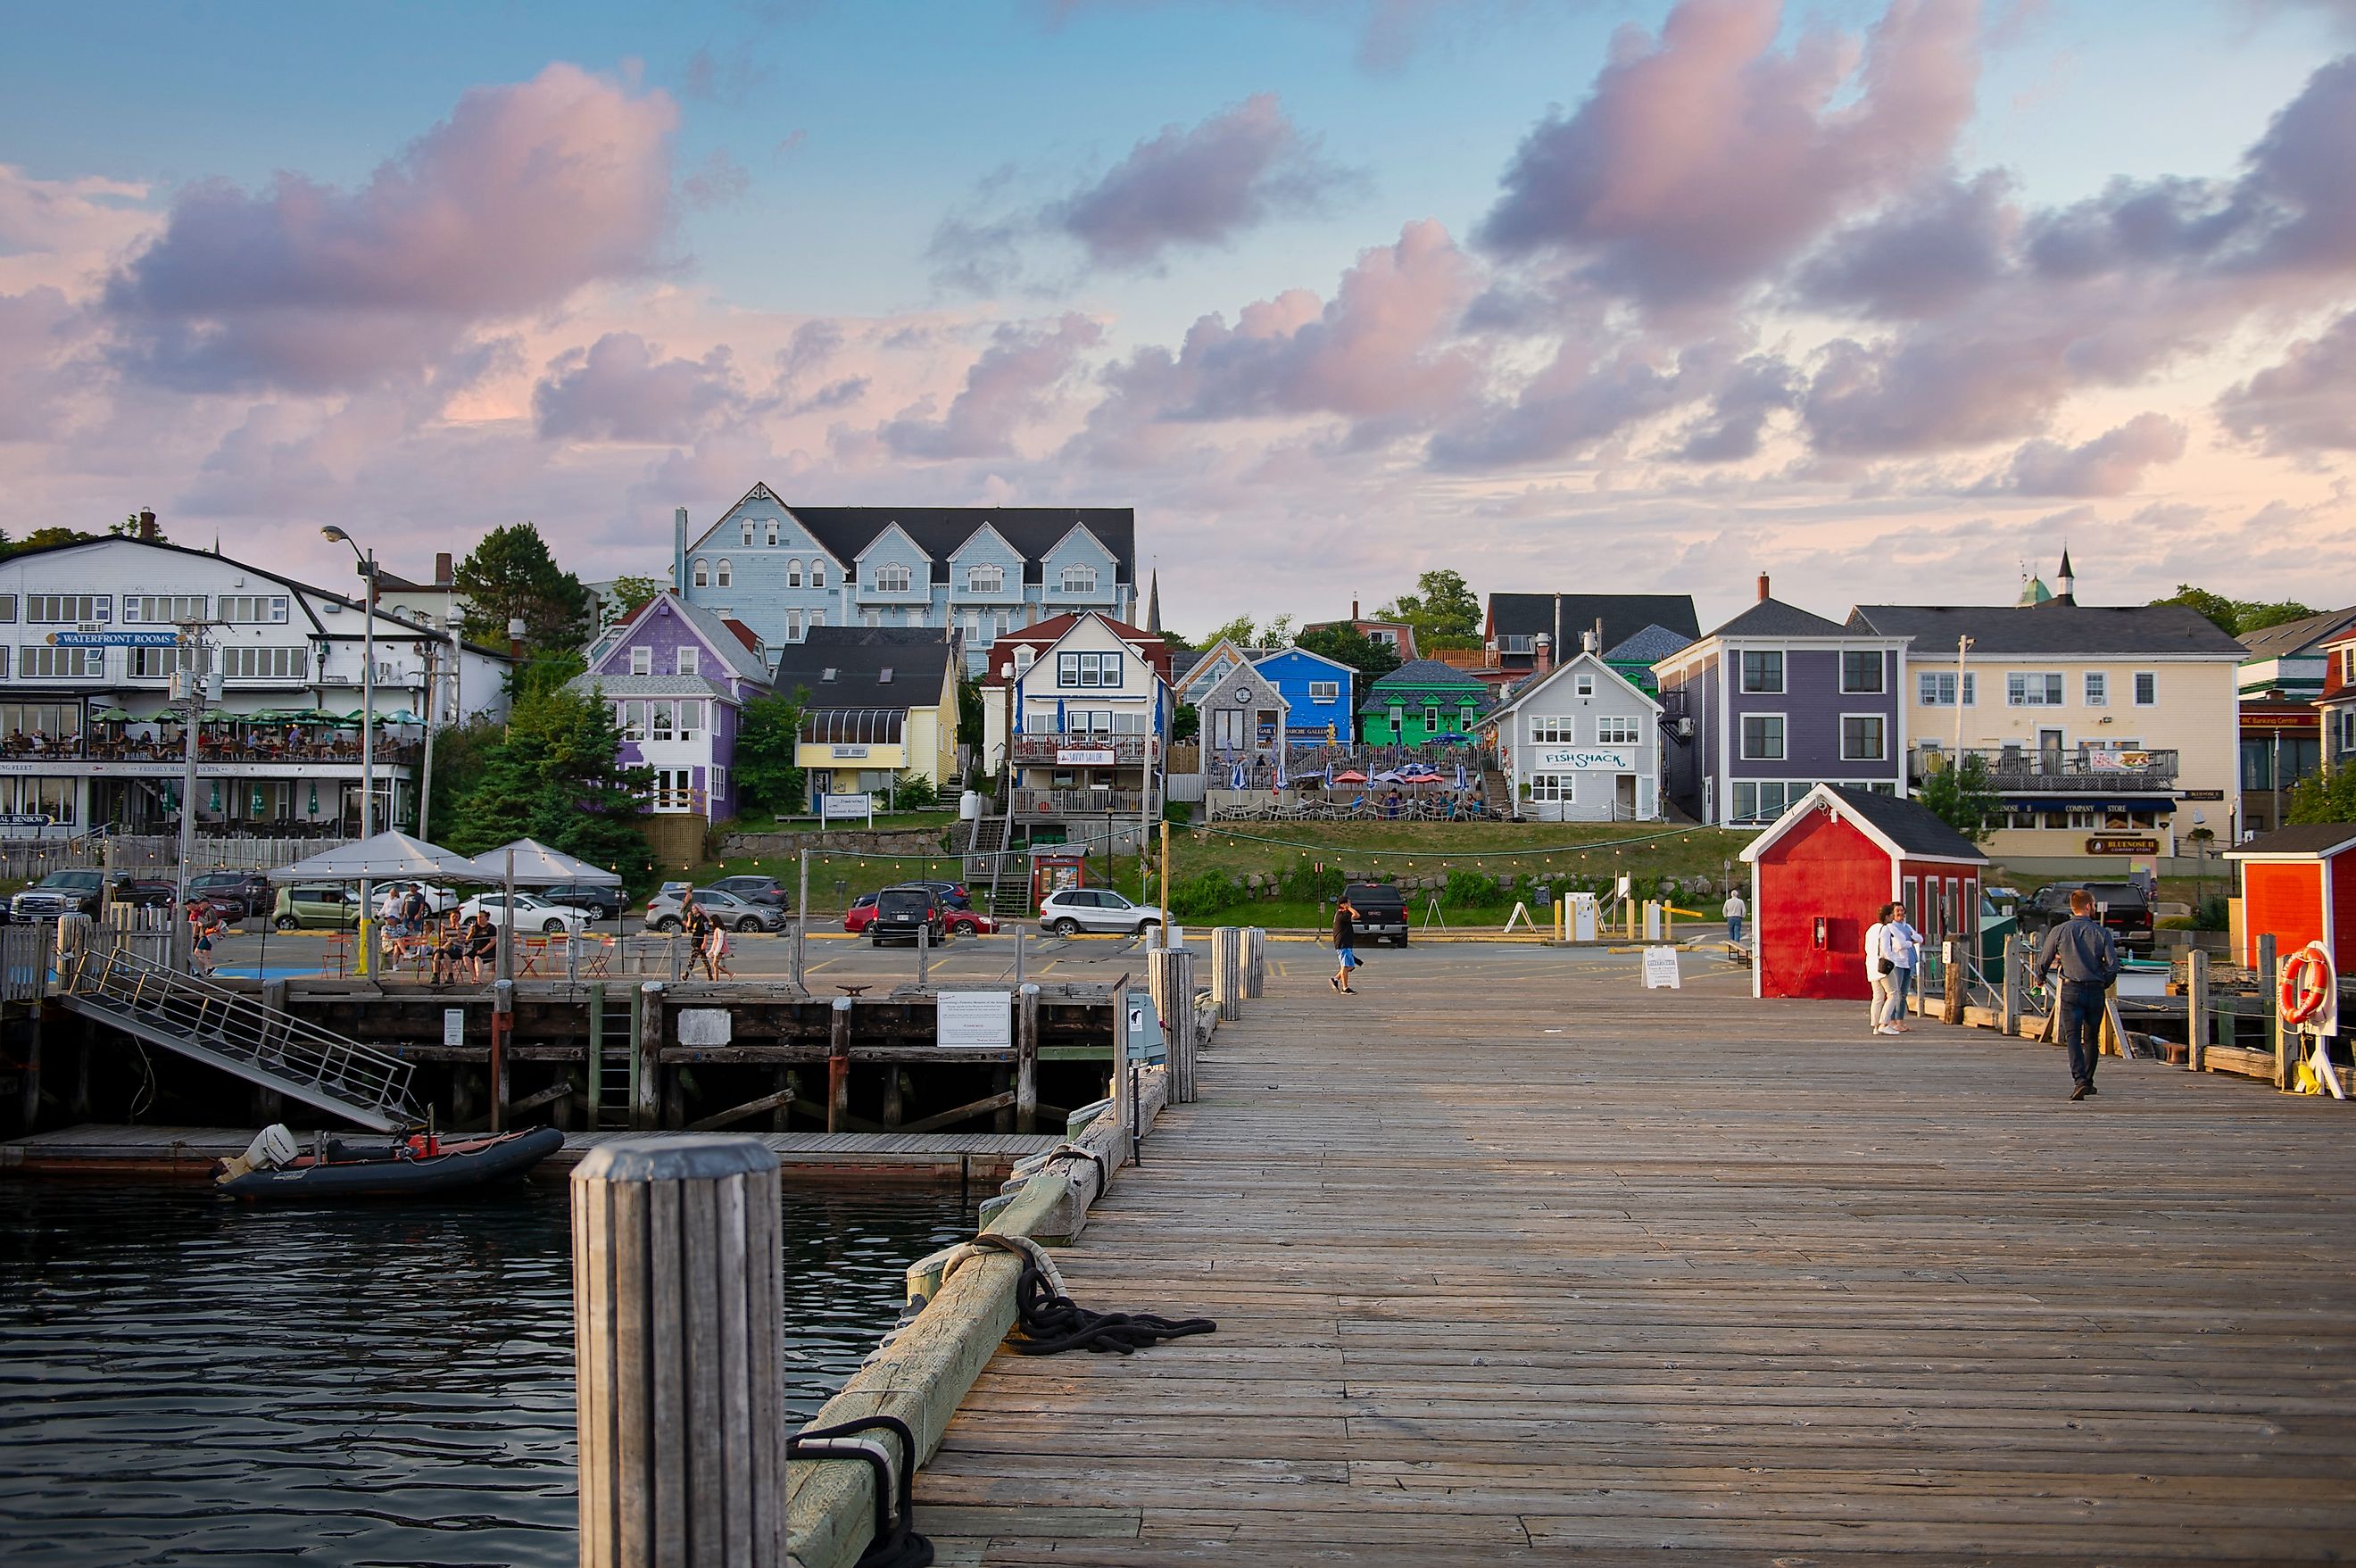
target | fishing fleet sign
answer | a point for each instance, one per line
(1582, 759)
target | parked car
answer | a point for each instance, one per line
(60, 893)
(2122, 907)
(143, 892)
(529, 911)
(737, 913)
(236, 894)
(952, 894)
(756, 889)
(1069, 912)
(318, 906)
(904, 911)
(1382, 913)
(958, 922)
(592, 899)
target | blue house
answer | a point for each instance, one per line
(980, 572)
(1320, 695)
(1775, 703)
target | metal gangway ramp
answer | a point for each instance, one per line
(227, 1029)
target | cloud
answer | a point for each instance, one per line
(1701, 162)
(1756, 390)
(1924, 256)
(524, 194)
(618, 390)
(2306, 402)
(1198, 186)
(1390, 33)
(1015, 382)
(717, 181)
(2112, 464)
(1589, 394)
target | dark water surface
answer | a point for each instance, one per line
(187, 1380)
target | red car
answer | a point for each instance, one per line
(958, 922)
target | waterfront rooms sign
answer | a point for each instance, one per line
(1582, 759)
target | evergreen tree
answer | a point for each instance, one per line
(511, 575)
(557, 777)
(1964, 798)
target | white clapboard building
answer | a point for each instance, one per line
(1580, 743)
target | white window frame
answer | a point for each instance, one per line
(1078, 580)
(642, 660)
(247, 662)
(1556, 787)
(2051, 683)
(725, 576)
(1618, 729)
(1881, 755)
(2096, 688)
(2146, 681)
(793, 574)
(893, 577)
(700, 574)
(1431, 718)
(162, 609)
(1742, 671)
(688, 719)
(1782, 737)
(1583, 683)
(818, 577)
(1880, 686)
(985, 579)
(773, 533)
(46, 661)
(1325, 691)
(1553, 729)
(689, 658)
(792, 626)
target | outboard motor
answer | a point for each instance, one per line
(271, 1147)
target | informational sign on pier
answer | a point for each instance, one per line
(1660, 969)
(976, 1020)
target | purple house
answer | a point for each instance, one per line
(1775, 703)
(677, 677)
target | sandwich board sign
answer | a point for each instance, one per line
(1660, 969)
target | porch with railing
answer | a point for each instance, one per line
(2082, 769)
(1038, 803)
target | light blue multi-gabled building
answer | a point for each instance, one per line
(981, 572)
(1320, 696)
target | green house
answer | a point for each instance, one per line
(1420, 702)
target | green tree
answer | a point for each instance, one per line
(1346, 644)
(2324, 796)
(768, 730)
(2236, 617)
(1442, 611)
(1186, 722)
(631, 594)
(971, 718)
(511, 575)
(1238, 631)
(42, 538)
(462, 754)
(557, 777)
(1964, 798)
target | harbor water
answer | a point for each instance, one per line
(185, 1378)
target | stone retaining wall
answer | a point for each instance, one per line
(762, 846)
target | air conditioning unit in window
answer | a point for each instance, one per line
(87, 626)
(1684, 729)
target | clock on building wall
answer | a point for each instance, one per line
(1243, 695)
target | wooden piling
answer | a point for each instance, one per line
(596, 1051)
(502, 1023)
(30, 1077)
(2010, 1019)
(2267, 982)
(923, 956)
(646, 1086)
(1026, 1058)
(838, 1065)
(679, 1331)
(1226, 984)
(1951, 998)
(2196, 1009)
(1254, 965)
(1171, 975)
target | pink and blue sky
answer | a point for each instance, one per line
(1885, 299)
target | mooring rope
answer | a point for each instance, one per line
(895, 1544)
(1048, 1322)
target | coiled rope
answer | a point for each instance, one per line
(1048, 1322)
(895, 1544)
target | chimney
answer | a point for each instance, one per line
(1762, 586)
(1354, 609)
(1593, 642)
(147, 524)
(1542, 653)
(444, 575)
(679, 552)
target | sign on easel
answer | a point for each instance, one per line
(1431, 912)
(1522, 913)
(1660, 969)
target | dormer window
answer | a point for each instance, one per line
(1079, 579)
(1025, 656)
(702, 572)
(985, 579)
(892, 579)
(727, 573)
(793, 574)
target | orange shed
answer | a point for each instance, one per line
(2299, 883)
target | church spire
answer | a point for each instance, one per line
(1153, 604)
(2065, 580)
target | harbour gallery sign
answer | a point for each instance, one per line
(1582, 759)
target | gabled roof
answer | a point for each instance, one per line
(1044, 635)
(2301, 840)
(1773, 617)
(1568, 616)
(1236, 659)
(845, 531)
(1903, 829)
(624, 686)
(1592, 663)
(2300, 636)
(1275, 653)
(915, 658)
(1649, 646)
(1426, 672)
(709, 627)
(2054, 629)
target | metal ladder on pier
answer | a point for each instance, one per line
(614, 1071)
(210, 1022)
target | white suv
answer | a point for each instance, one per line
(1077, 909)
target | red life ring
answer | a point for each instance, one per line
(2308, 983)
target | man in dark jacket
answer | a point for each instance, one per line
(2090, 962)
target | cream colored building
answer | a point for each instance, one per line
(2111, 733)
(879, 708)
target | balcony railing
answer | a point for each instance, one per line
(1040, 750)
(1039, 803)
(210, 748)
(2079, 769)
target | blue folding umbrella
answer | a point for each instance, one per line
(1237, 780)
(1061, 726)
(1460, 776)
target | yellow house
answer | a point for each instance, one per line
(879, 707)
(2111, 733)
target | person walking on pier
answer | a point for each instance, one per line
(1734, 912)
(2090, 963)
(1346, 950)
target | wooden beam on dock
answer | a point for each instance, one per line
(982, 1107)
(745, 1111)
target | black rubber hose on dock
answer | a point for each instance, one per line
(1048, 1323)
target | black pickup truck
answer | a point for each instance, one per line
(2122, 906)
(1382, 913)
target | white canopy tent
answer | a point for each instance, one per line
(387, 857)
(536, 864)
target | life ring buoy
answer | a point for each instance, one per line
(2308, 983)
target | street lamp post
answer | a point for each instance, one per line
(193, 690)
(366, 965)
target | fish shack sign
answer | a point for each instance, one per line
(1582, 759)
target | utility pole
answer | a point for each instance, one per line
(431, 649)
(365, 965)
(1963, 647)
(192, 684)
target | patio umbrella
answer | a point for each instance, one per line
(1237, 781)
(1388, 776)
(111, 716)
(1460, 776)
(1061, 727)
(402, 717)
(1351, 775)
(217, 716)
(538, 865)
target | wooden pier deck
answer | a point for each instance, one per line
(1513, 1259)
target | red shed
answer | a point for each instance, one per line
(2298, 884)
(1821, 871)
